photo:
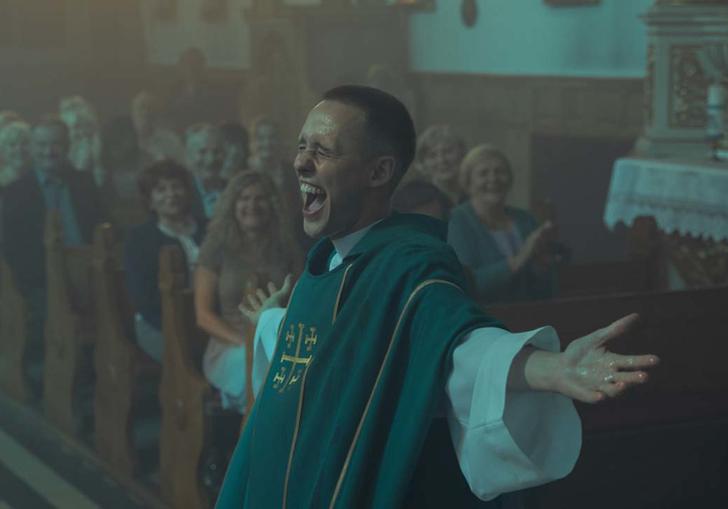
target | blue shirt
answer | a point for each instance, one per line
(57, 197)
(209, 198)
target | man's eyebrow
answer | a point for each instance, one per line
(310, 139)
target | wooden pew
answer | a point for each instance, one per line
(670, 323)
(664, 444)
(191, 413)
(69, 329)
(127, 214)
(124, 374)
(186, 427)
(13, 337)
(600, 278)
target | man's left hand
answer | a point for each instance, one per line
(590, 373)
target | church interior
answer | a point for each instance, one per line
(136, 135)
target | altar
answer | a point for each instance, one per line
(688, 202)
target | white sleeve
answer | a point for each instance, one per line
(264, 344)
(507, 440)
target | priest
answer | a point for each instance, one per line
(382, 384)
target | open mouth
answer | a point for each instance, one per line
(313, 198)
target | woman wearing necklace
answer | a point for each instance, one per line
(166, 189)
(505, 248)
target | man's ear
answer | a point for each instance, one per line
(382, 172)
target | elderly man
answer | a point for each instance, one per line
(52, 184)
(205, 157)
(378, 338)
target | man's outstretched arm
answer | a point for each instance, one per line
(586, 371)
(511, 417)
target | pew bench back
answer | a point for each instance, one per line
(664, 444)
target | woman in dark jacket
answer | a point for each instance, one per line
(166, 189)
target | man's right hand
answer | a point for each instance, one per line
(260, 299)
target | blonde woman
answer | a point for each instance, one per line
(504, 247)
(14, 155)
(248, 246)
(439, 153)
(14, 151)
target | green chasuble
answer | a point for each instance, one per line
(345, 418)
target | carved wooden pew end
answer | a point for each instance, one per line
(184, 391)
(70, 330)
(127, 380)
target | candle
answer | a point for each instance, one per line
(716, 95)
(715, 109)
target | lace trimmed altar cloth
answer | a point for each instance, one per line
(684, 197)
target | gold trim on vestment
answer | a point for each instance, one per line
(299, 411)
(272, 357)
(344, 469)
(307, 362)
(338, 295)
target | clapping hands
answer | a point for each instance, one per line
(259, 299)
(533, 246)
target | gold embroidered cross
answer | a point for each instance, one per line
(311, 338)
(297, 362)
(290, 335)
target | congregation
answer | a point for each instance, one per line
(229, 200)
(227, 196)
(226, 200)
(363, 253)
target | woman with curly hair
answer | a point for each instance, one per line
(248, 246)
(166, 189)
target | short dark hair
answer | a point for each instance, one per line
(389, 125)
(415, 193)
(165, 169)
